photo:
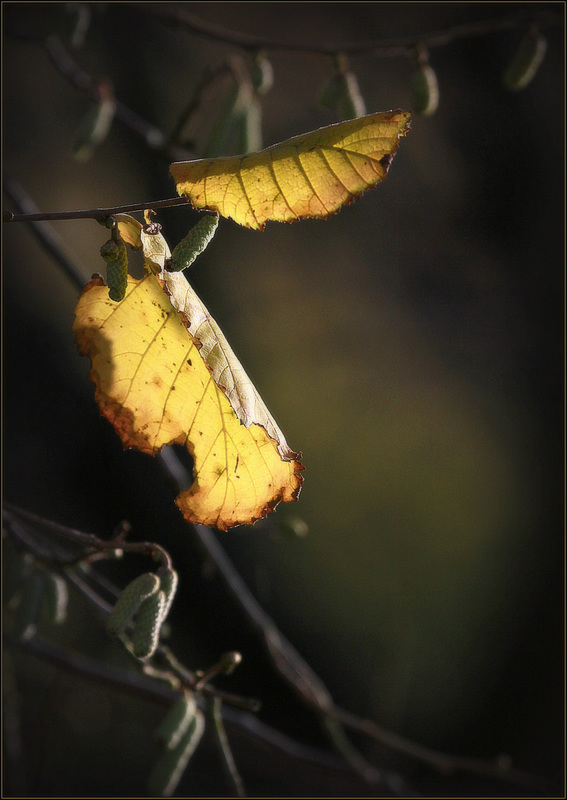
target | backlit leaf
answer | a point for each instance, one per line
(312, 175)
(526, 61)
(425, 90)
(164, 377)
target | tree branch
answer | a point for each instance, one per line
(45, 234)
(290, 664)
(154, 138)
(98, 214)
(159, 692)
(403, 47)
(232, 775)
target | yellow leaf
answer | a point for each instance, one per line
(154, 386)
(130, 230)
(312, 175)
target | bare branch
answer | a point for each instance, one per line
(229, 765)
(154, 138)
(98, 214)
(379, 48)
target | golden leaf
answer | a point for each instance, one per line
(312, 175)
(164, 377)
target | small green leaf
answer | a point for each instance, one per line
(331, 92)
(177, 720)
(525, 61)
(17, 567)
(250, 134)
(342, 93)
(29, 607)
(168, 770)
(262, 74)
(295, 527)
(56, 596)
(425, 90)
(220, 140)
(96, 125)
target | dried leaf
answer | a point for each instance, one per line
(165, 377)
(312, 175)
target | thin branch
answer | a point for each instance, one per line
(17, 531)
(159, 692)
(89, 541)
(154, 138)
(336, 733)
(314, 693)
(380, 48)
(78, 664)
(227, 759)
(444, 763)
(125, 680)
(98, 214)
(45, 234)
(189, 678)
(288, 661)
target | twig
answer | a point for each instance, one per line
(98, 214)
(442, 762)
(154, 138)
(127, 680)
(224, 666)
(165, 654)
(227, 759)
(288, 661)
(91, 542)
(313, 692)
(190, 679)
(45, 234)
(380, 48)
(159, 692)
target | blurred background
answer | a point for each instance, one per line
(410, 346)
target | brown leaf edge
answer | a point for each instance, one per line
(122, 420)
(385, 162)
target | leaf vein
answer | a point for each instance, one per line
(246, 193)
(298, 159)
(347, 190)
(276, 181)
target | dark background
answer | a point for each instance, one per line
(411, 346)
